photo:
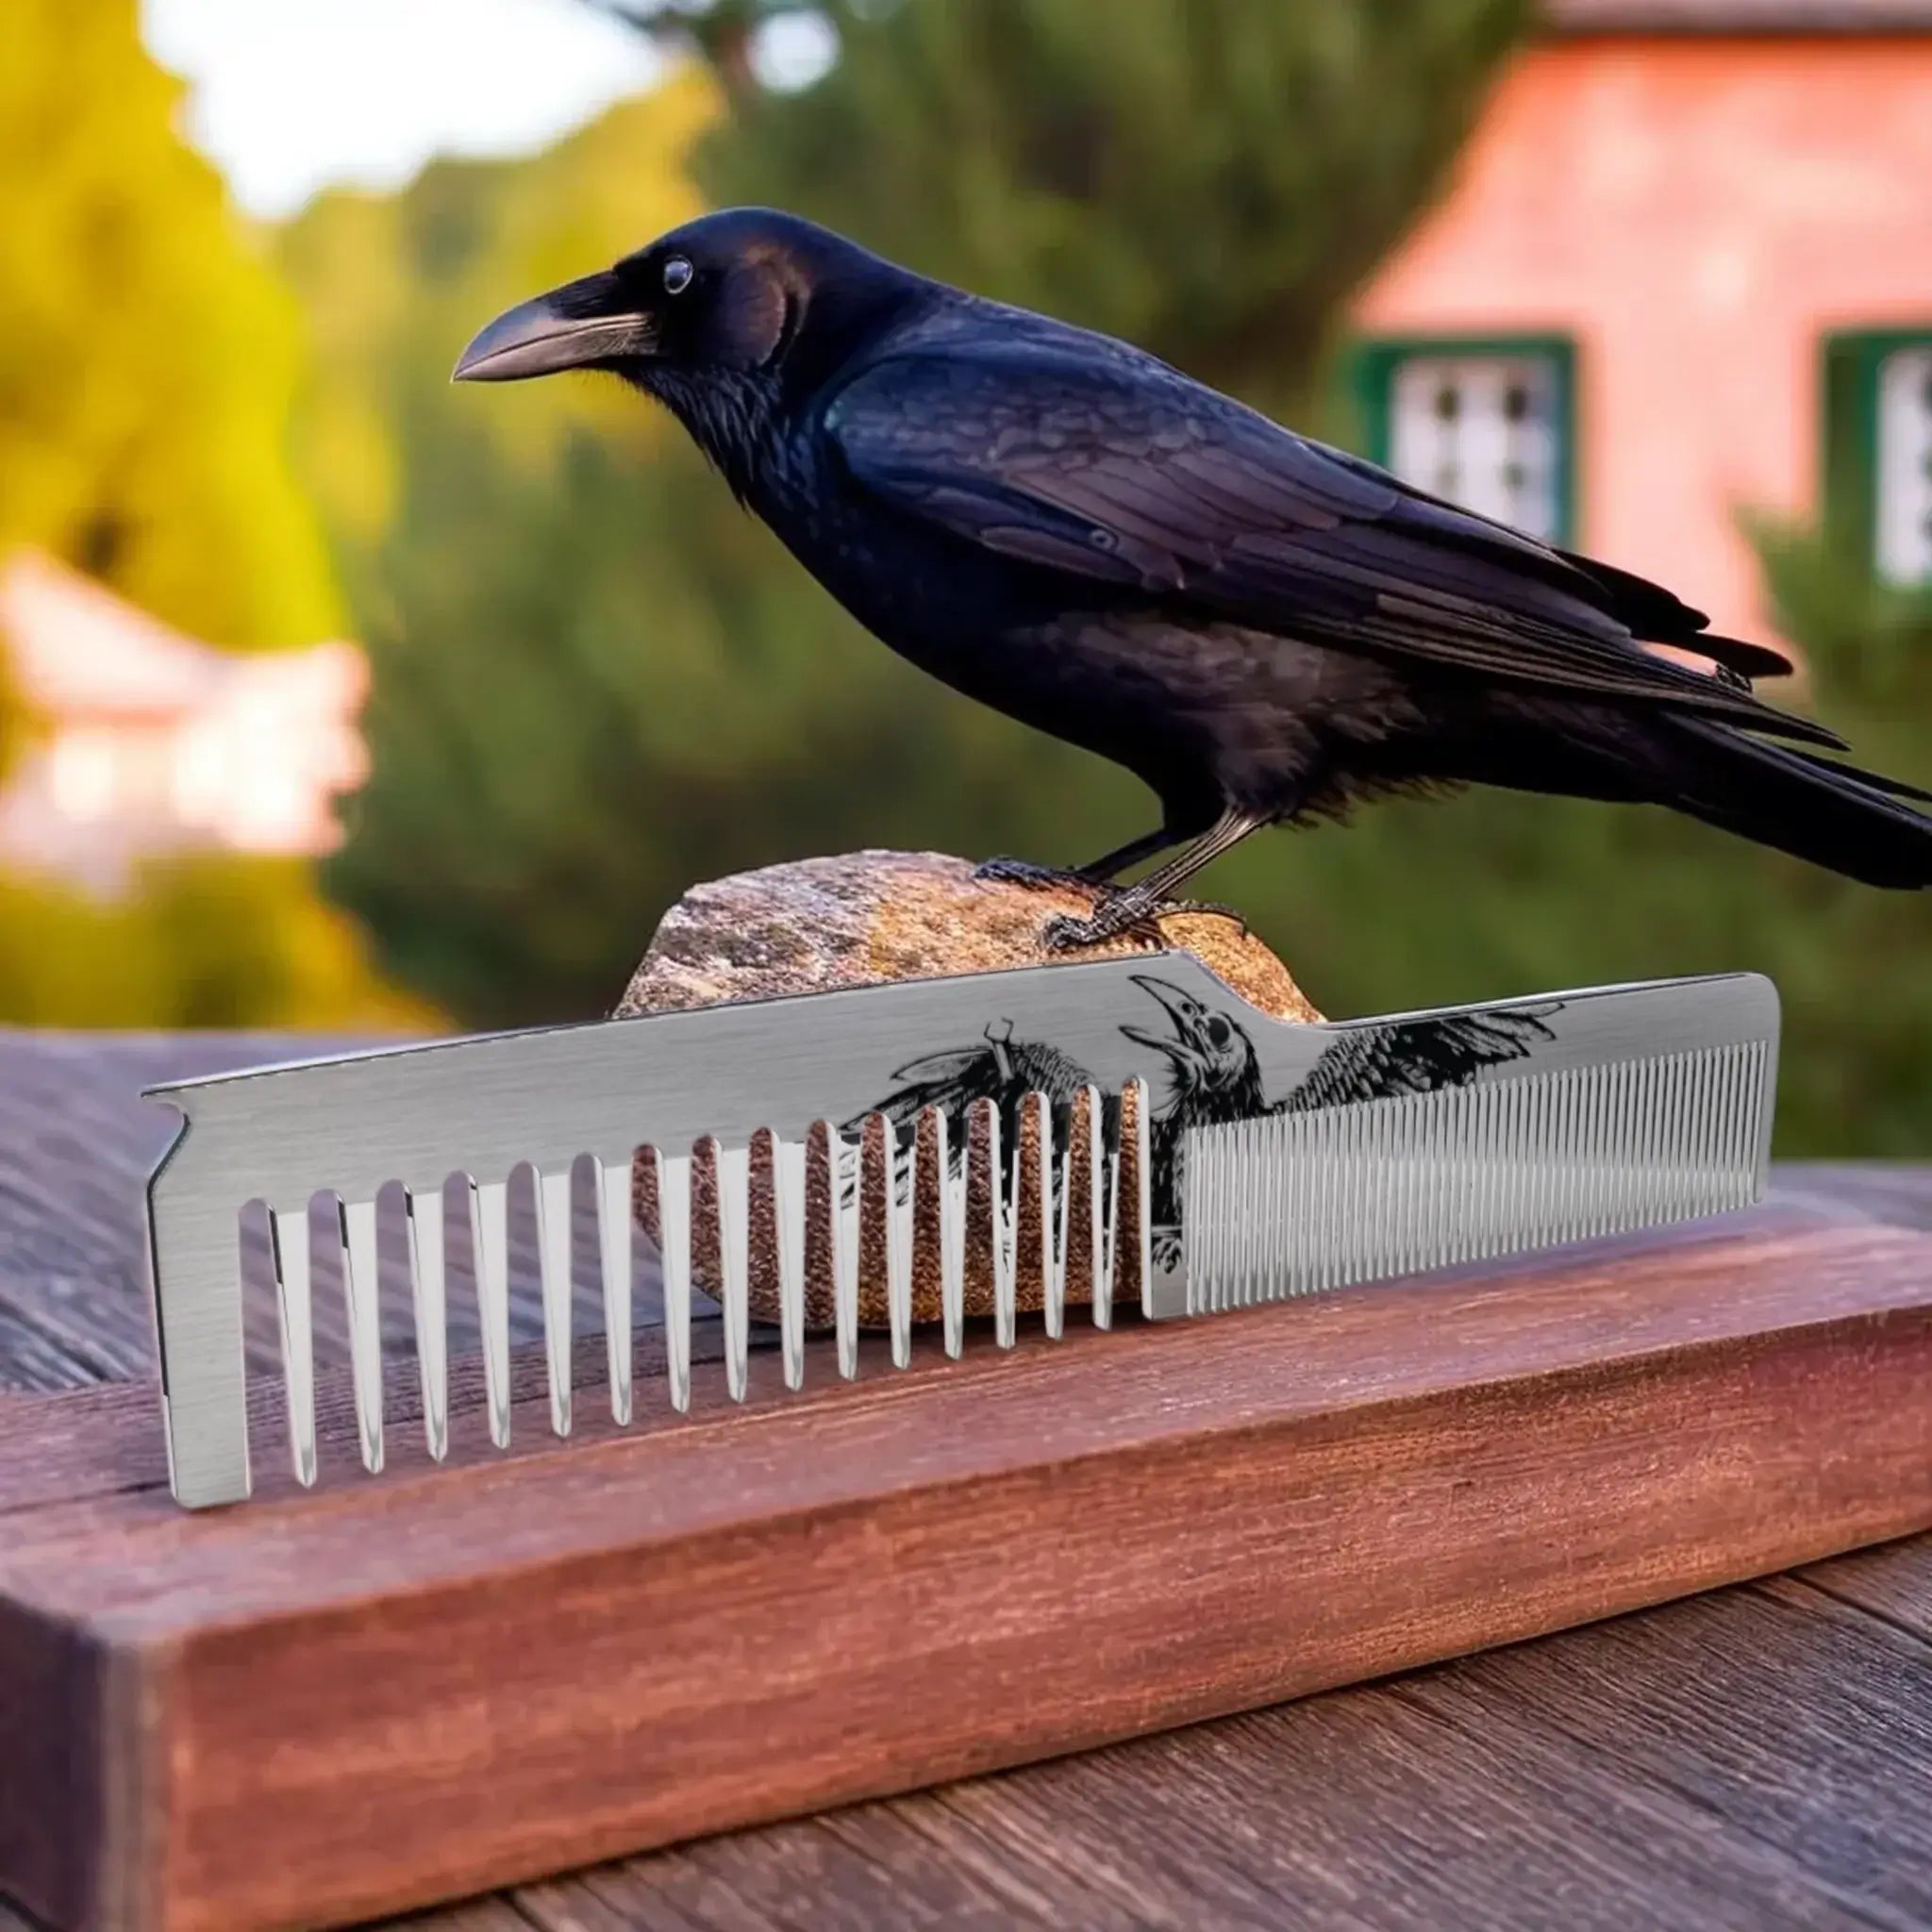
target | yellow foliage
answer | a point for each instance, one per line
(210, 941)
(147, 351)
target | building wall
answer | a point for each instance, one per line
(1695, 213)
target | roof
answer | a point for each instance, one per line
(1738, 17)
(73, 645)
(77, 650)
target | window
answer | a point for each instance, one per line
(1487, 423)
(1877, 442)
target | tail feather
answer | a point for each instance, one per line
(1835, 815)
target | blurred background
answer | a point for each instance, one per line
(333, 697)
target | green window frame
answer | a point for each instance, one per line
(1376, 368)
(1853, 366)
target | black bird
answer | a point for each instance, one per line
(1260, 627)
(1000, 1069)
(1215, 1075)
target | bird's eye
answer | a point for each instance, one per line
(677, 275)
(1219, 1031)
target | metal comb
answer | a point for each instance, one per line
(1129, 1130)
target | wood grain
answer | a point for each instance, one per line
(317, 1708)
(1345, 1809)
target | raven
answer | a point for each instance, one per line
(1215, 1074)
(1260, 627)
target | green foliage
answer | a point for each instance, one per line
(213, 941)
(597, 682)
(1208, 181)
(147, 354)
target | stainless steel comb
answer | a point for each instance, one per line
(1127, 1131)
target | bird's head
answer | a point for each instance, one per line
(1210, 1053)
(743, 300)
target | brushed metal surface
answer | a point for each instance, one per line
(1263, 1159)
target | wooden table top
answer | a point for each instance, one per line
(1757, 1757)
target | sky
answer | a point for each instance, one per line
(292, 95)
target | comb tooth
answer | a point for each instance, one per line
(1060, 1227)
(830, 1249)
(931, 1191)
(845, 1254)
(994, 1204)
(613, 1248)
(554, 1275)
(356, 1220)
(429, 1296)
(788, 1241)
(289, 1243)
(729, 1168)
(490, 1255)
(950, 1180)
(902, 1180)
(665, 1184)
(885, 1224)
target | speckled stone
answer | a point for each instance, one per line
(868, 917)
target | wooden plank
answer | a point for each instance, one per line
(1455, 1796)
(456, 1678)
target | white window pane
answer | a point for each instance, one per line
(1904, 547)
(1480, 430)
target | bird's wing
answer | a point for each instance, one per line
(1416, 1056)
(1086, 458)
(950, 1081)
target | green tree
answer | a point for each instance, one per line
(595, 680)
(1208, 181)
(147, 352)
(148, 360)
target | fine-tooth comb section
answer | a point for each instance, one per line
(1125, 1133)
(1299, 1202)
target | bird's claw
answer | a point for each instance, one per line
(1120, 917)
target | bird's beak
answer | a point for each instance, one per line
(1183, 1048)
(571, 327)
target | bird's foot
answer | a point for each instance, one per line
(1127, 912)
(1006, 871)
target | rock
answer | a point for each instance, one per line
(868, 917)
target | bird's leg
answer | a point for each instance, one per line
(1109, 865)
(1024, 872)
(1134, 904)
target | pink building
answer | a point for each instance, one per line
(148, 743)
(1683, 269)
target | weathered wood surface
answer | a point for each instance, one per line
(1753, 1758)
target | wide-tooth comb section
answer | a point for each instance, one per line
(1295, 1202)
